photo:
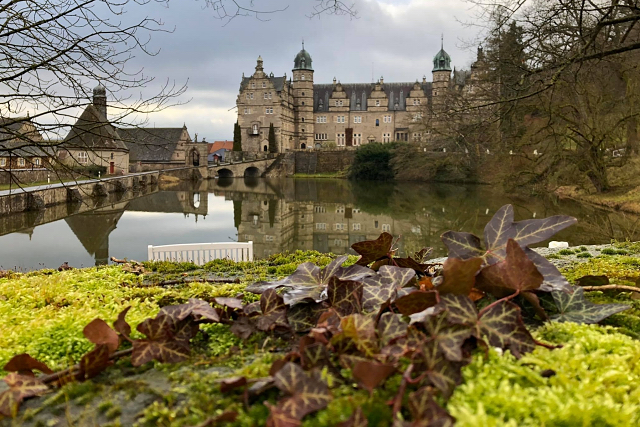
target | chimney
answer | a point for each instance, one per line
(100, 99)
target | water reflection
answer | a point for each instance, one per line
(278, 215)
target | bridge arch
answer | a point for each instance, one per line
(252, 172)
(225, 173)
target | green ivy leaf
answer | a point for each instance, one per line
(553, 279)
(574, 307)
(361, 330)
(502, 326)
(462, 245)
(304, 316)
(448, 337)
(345, 297)
(274, 311)
(391, 328)
(497, 232)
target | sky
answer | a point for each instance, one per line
(396, 39)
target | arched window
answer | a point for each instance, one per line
(302, 93)
(254, 129)
(303, 146)
(377, 122)
(265, 148)
(302, 102)
(303, 120)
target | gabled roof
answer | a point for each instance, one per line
(18, 137)
(396, 93)
(218, 145)
(151, 144)
(93, 131)
(277, 82)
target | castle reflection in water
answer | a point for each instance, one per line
(325, 215)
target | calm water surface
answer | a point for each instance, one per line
(279, 215)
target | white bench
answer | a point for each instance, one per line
(201, 253)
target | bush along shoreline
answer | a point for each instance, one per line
(494, 335)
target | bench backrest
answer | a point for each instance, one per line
(201, 253)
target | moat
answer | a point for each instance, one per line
(279, 215)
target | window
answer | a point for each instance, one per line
(386, 137)
(268, 110)
(302, 93)
(340, 210)
(357, 119)
(250, 95)
(417, 137)
(386, 119)
(3, 162)
(356, 226)
(377, 102)
(253, 85)
(254, 129)
(340, 141)
(111, 156)
(386, 227)
(269, 95)
(321, 226)
(269, 238)
(264, 84)
(337, 242)
(20, 161)
(321, 136)
(339, 103)
(265, 95)
(357, 139)
(340, 226)
(321, 119)
(377, 122)
(416, 101)
(254, 219)
(247, 110)
(320, 107)
(375, 224)
(303, 120)
(340, 119)
(303, 77)
(302, 102)
(355, 210)
(319, 209)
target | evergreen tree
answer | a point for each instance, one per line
(237, 213)
(272, 139)
(237, 138)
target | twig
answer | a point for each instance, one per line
(397, 404)
(61, 374)
(507, 298)
(611, 288)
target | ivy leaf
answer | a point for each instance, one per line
(160, 344)
(280, 418)
(516, 273)
(357, 419)
(94, 362)
(313, 354)
(391, 328)
(371, 374)
(460, 309)
(459, 275)
(416, 302)
(308, 393)
(497, 232)
(443, 374)
(24, 364)
(381, 288)
(553, 279)
(21, 387)
(360, 330)
(100, 333)
(426, 412)
(121, 325)
(574, 307)
(234, 303)
(274, 311)
(502, 326)
(345, 297)
(448, 337)
(462, 245)
(532, 231)
(304, 316)
(242, 328)
(202, 310)
(229, 384)
(373, 250)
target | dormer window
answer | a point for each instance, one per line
(253, 85)
(264, 84)
(254, 129)
(377, 102)
(303, 76)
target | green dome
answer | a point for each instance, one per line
(442, 61)
(302, 61)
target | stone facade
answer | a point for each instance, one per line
(308, 115)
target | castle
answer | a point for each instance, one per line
(308, 115)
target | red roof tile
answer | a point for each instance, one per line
(215, 146)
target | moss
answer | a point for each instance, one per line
(597, 372)
(583, 248)
(584, 255)
(566, 252)
(554, 256)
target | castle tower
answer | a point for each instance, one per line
(441, 76)
(303, 100)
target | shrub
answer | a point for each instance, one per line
(372, 162)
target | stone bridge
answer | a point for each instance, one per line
(253, 168)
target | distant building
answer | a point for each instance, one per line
(309, 115)
(93, 140)
(218, 151)
(18, 149)
(158, 148)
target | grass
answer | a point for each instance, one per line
(43, 313)
(339, 174)
(37, 183)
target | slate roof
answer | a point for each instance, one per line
(151, 144)
(396, 92)
(278, 83)
(12, 144)
(93, 131)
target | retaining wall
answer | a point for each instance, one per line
(316, 162)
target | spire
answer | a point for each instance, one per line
(442, 41)
(303, 43)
